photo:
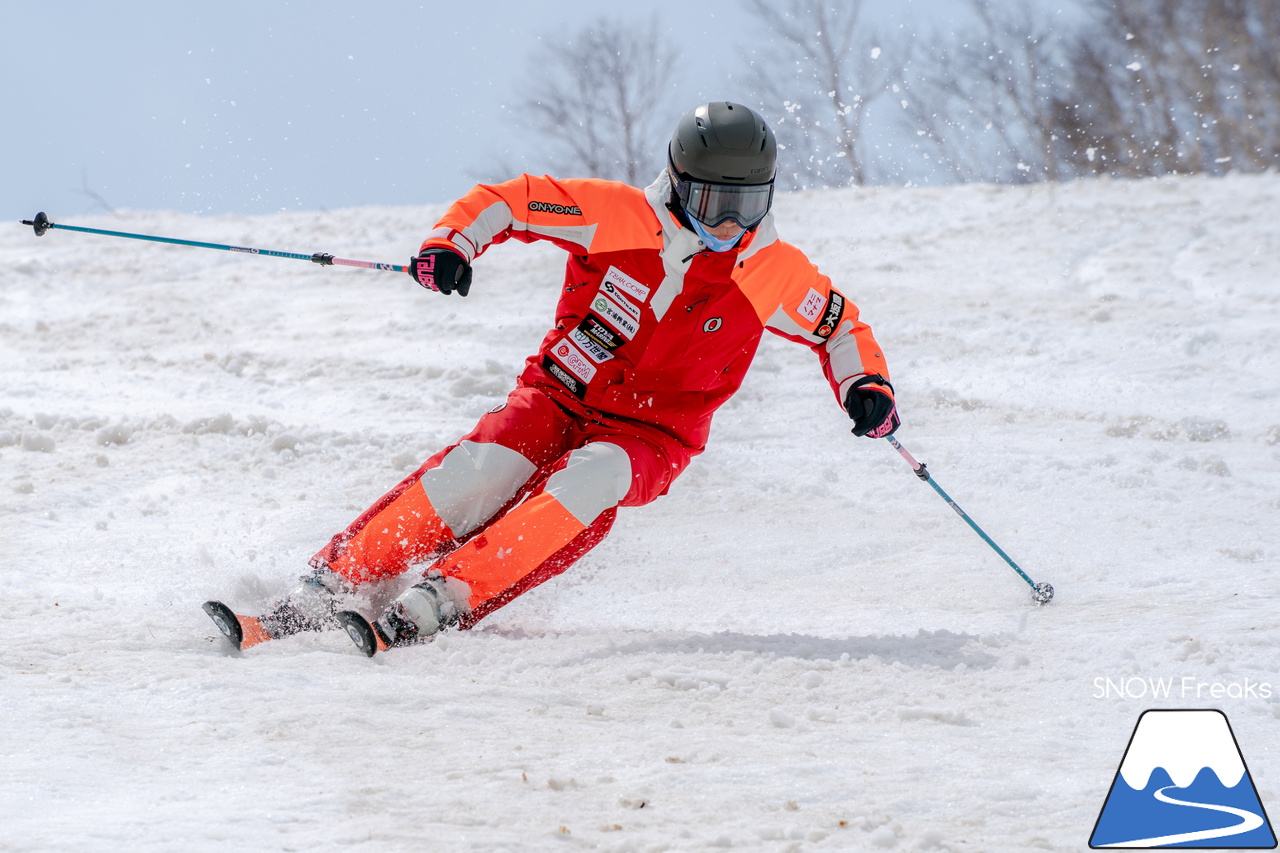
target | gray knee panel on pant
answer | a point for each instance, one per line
(596, 478)
(472, 483)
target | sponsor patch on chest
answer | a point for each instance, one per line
(619, 297)
(568, 356)
(565, 378)
(599, 333)
(626, 284)
(613, 313)
(588, 344)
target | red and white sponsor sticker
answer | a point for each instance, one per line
(573, 360)
(811, 307)
(626, 283)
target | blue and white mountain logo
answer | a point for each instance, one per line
(1183, 783)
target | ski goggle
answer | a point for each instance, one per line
(715, 204)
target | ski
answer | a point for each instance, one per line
(371, 637)
(241, 631)
(244, 632)
(361, 632)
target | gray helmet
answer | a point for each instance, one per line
(723, 142)
(716, 147)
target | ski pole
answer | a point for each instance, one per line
(1041, 593)
(41, 224)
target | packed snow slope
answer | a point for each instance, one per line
(800, 648)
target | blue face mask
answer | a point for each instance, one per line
(711, 242)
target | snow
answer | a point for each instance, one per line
(800, 648)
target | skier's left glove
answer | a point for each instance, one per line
(442, 270)
(870, 404)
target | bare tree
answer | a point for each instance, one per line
(985, 100)
(1178, 86)
(98, 200)
(1132, 88)
(816, 84)
(596, 99)
(1143, 87)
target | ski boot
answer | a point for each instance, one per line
(414, 617)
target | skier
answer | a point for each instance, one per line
(667, 292)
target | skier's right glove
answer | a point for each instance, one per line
(870, 404)
(442, 270)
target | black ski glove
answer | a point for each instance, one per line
(870, 404)
(442, 270)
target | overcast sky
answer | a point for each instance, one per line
(254, 107)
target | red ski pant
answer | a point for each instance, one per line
(514, 503)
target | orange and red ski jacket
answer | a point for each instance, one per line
(650, 325)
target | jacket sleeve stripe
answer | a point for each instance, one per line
(577, 215)
(852, 352)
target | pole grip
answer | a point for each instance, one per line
(920, 468)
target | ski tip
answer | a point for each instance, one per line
(253, 632)
(226, 621)
(360, 632)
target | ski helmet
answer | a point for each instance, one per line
(722, 160)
